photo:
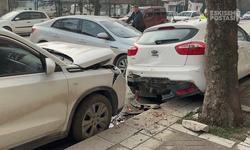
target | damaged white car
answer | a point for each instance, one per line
(47, 93)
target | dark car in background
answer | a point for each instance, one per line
(153, 15)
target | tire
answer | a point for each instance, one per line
(82, 129)
(8, 28)
(122, 63)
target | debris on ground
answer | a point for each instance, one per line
(195, 126)
(197, 110)
(155, 114)
(115, 120)
(136, 104)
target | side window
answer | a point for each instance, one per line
(67, 24)
(35, 15)
(23, 16)
(43, 15)
(91, 28)
(149, 13)
(157, 12)
(241, 35)
(163, 12)
(16, 59)
(57, 24)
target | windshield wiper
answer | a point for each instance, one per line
(165, 41)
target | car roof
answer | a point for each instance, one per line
(181, 24)
(28, 11)
(146, 7)
(90, 17)
(189, 11)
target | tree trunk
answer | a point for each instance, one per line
(96, 7)
(222, 106)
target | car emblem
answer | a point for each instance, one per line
(154, 53)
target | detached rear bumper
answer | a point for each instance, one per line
(151, 87)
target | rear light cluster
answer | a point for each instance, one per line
(163, 28)
(192, 48)
(33, 30)
(186, 91)
(132, 50)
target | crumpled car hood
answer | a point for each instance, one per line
(82, 55)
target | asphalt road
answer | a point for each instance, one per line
(64, 143)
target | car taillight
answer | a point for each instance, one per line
(48, 16)
(132, 50)
(33, 30)
(186, 91)
(193, 48)
(163, 28)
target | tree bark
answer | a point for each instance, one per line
(222, 105)
(96, 7)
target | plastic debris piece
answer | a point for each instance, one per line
(129, 109)
(155, 114)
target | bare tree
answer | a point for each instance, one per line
(222, 104)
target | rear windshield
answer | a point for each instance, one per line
(166, 36)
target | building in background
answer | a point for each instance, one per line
(194, 6)
(174, 5)
(3, 7)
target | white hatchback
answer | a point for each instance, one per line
(89, 30)
(47, 93)
(22, 21)
(169, 59)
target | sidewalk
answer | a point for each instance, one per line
(156, 129)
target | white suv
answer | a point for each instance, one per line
(46, 93)
(169, 59)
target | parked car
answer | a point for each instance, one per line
(47, 93)
(89, 30)
(246, 16)
(170, 15)
(152, 15)
(169, 59)
(187, 15)
(21, 21)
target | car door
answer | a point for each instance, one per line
(88, 34)
(149, 18)
(32, 103)
(244, 53)
(22, 23)
(157, 16)
(65, 30)
(36, 17)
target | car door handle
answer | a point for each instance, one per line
(82, 41)
(28, 22)
(56, 35)
(42, 20)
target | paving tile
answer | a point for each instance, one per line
(150, 144)
(118, 147)
(175, 104)
(165, 135)
(180, 128)
(168, 121)
(117, 133)
(194, 143)
(166, 147)
(244, 144)
(218, 140)
(242, 147)
(187, 109)
(153, 130)
(92, 143)
(134, 140)
(147, 118)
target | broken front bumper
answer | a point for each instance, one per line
(152, 87)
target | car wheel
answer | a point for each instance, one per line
(8, 28)
(121, 63)
(92, 117)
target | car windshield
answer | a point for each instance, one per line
(187, 14)
(131, 12)
(9, 15)
(121, 29)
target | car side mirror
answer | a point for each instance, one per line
(102, 35)
(50, 66)
(16, 19)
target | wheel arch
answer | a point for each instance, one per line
(8, 27)
(41, 41)
(105, 91)
(117, 57)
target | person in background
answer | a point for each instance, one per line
(138, 20)
(205, 15)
